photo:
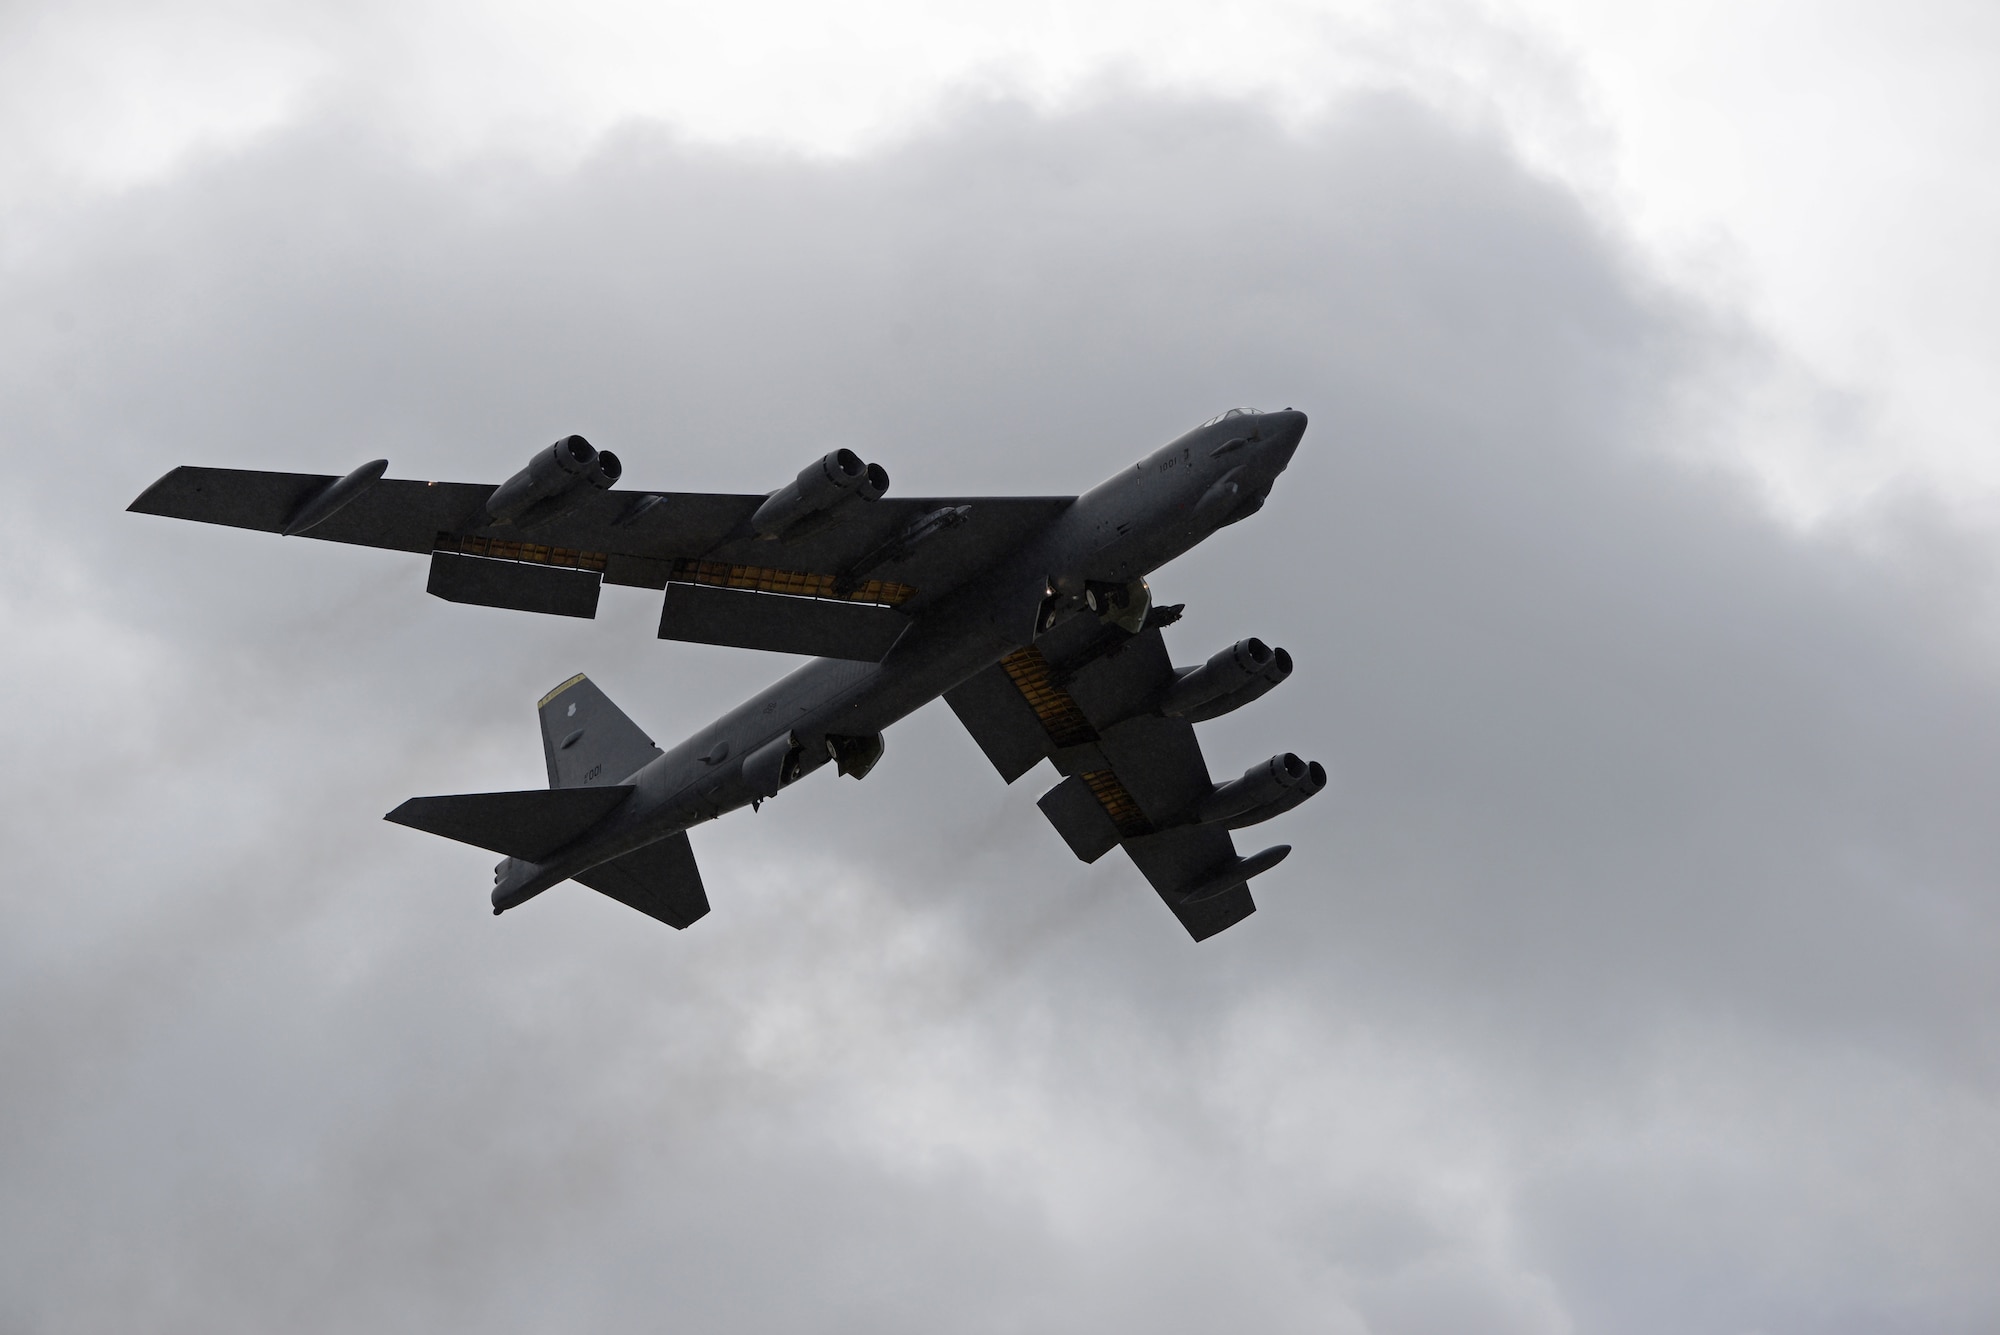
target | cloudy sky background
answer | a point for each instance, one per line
(1634, 975)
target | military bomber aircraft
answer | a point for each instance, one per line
(1031, 616)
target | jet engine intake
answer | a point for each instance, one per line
(607, 472)
(839, 477)
(1260, 786)
(1227, 672)
(1279, 669)
(1310, 786)
(554, 472)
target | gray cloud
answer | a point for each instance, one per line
(1632, 977)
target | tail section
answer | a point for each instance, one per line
(529, 826)
(590, 747)
(587, 740)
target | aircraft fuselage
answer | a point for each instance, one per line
(1095, 549)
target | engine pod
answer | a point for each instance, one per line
(1260, 786)
(819, 486)
(1273, 677)
(562, 467)
(1223, 674)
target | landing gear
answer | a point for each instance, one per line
(855, 756)
(1121, 605)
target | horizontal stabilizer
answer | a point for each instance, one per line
(660, 880)
(782, 623)
(529, 825)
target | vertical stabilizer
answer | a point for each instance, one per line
(587, 740)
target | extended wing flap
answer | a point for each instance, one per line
(742, 619)
(1080, 818)
(1000, 720)
(515, 585)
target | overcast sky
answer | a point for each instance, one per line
(1634, 975)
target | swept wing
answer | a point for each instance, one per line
(848, 583)
(1085, 697)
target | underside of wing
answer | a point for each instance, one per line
(1086, 697)
(1174, 859)
(897, 552)
(394, 513)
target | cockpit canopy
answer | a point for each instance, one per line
(1233, 412)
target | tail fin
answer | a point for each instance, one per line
(529, 825)
(587, 740)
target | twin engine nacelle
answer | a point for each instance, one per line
(1243, 672)
(540, 490)
(1266, 790)
(822, 485)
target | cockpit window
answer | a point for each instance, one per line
(1233, 412)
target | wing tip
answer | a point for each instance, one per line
(147, 502)
(1217, 915)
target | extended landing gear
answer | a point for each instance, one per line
(855, 756)
(1122, 605)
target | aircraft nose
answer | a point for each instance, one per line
(1284, 429)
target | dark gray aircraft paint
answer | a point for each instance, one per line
(1030, 615)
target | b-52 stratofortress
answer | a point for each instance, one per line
(1031, 616)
